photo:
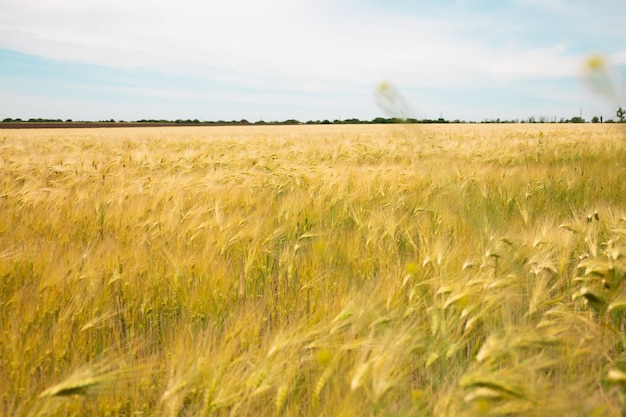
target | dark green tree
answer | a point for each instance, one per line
(620, 114)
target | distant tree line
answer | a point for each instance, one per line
(9, 120)
(377, 120)
(621, 114)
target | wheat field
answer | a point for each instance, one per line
(440, 270)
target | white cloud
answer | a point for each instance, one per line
(278, 39)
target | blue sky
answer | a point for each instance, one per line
(307, 59)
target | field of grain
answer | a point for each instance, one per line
(446, 270)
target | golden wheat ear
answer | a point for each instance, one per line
(93, 380)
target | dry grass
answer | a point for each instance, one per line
(327, 270)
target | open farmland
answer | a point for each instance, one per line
(448, 270)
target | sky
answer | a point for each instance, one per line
(307, 59)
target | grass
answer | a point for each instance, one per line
(453, 270)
